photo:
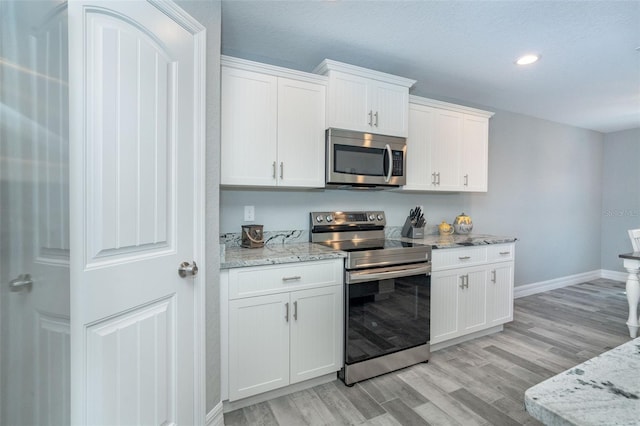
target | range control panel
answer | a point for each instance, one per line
(348, 218)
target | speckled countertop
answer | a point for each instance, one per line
(602, 391)
(293, 246)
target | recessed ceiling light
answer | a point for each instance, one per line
(527, 59)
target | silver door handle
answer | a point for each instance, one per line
(187, 269)
(281, 170)
(466, 180)
(493, 276)
(355, 277)
(433, 178)
(22, 283)
(376, 116)
(370, 118)
(274, 169)
(292, 278)
(464, 257)
(295, 310)
(286, 314)
(390, 157)
(438, 175)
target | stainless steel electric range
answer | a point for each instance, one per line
(387, 293)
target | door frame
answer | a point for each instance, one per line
(77, 129)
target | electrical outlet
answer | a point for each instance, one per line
(249, 213)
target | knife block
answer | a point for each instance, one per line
(410, 231)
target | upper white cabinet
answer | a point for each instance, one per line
(365, 100)
(447, 147)
(272, 126)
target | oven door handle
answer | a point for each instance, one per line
(354, 277)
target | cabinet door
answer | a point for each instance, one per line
(444, 305)
(258, 344)
(421, 134)
(475, 137)
(445, 151)
(390, 109)
(473, 304)
(301, 126)
(500, 293)
(349, 103)
(316, 332)
(248, 128)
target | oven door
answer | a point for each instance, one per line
(387, 310)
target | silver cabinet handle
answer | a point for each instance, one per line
(293, 278)
(22, 283)
(433, 178)
(376, 116)
(504, 253)
(281, 170)
(466, 281)
(493, 276)
(438, 175)
(187, 269)
(466, 180)
(286, 314)
(370, 118)
(462, 281)
(295, 310)
(464, 257)
(274, 169)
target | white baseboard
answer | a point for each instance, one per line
(539, 287)
(613, 275)
(215, 417)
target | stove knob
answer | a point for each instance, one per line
(319, 218)
(372, 217)
(380, 217)
(329, 218)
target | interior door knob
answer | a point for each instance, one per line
(22, 283)
(187, 269)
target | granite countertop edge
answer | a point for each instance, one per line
(233, 256)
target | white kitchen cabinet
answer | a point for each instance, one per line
(366, 100)
(447, 147)
(272, 126)
(471, 290)
(281, 324)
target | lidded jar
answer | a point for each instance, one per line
(462, 224)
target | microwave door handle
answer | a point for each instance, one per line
(387, 178)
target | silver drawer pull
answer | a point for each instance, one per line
(294, 278)
(464, 257)
(505, 252)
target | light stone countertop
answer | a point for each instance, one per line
(604, 390)
(293, 246)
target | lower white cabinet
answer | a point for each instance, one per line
(466, 299)
(286, 337)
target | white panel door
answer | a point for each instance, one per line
(248, 125)
(390, 109)
(445, 293)
(349, 104)
(473, 305)
(421, 135)
(34, 215)
(500, 293)
(136, 212)
(258, 344)
(474, 152)
(316, 332)
(301, 130)
(445, 152)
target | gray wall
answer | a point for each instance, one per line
(545, 188)
(208, 13)
(620, 195)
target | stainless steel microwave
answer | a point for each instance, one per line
(358, 159)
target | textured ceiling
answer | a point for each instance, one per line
(464, 51)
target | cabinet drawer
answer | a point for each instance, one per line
(260, 280)
(459, 257)
(501, 252)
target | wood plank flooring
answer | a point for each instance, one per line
(480, 382)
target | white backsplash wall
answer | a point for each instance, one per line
(545, 188)
(284, 210)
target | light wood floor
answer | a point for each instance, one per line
(481, 382)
